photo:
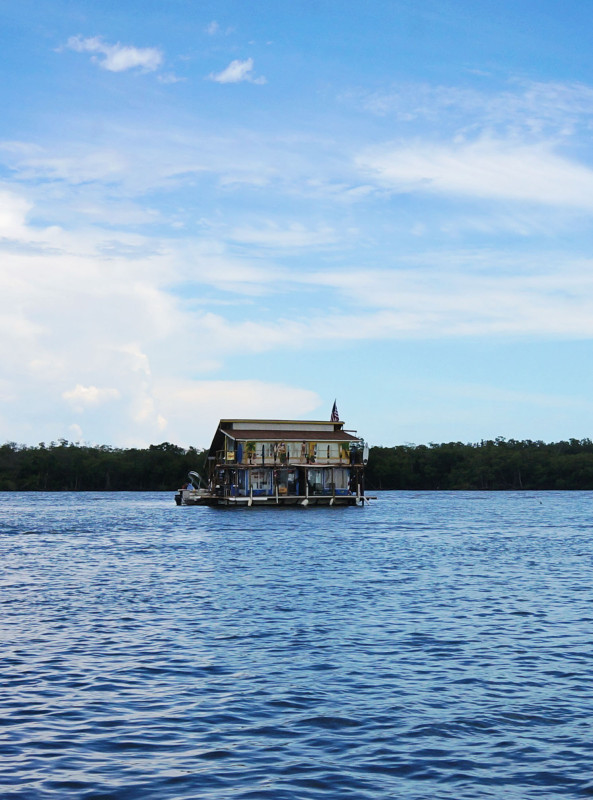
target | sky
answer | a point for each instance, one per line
(232, 209)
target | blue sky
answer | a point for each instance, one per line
(250, 209)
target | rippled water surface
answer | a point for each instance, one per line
(432, 645)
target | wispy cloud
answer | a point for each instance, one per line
(117, 57)
(527, 107)
(170, 77)
(236, 72)
(213, 29)
(275, 236)
(77, 167)
(401, 305)
(132, 329)
(486, 168)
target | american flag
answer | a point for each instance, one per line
(335, 417)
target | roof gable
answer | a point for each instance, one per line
(279, 430)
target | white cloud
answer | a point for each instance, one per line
(13, 213)
(136, 342)
(236, 72)
(194, 407)
(94, 310)
(117, 57)
(132, 336)
(82, 396)
(75, 432)
(137, 360)
(487, 169)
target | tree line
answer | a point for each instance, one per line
(496, 464)
(65, 466)
(487, 465)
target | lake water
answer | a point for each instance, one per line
(429, 646)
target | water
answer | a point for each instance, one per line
(432, 645)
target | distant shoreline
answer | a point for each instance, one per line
(490, 465)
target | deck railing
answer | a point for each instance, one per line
(229, 458)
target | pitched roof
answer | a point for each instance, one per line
(290, 436)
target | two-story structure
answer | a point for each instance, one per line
(282, 462)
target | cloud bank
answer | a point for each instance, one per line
(176, 267)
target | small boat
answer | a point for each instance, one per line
(255, 462)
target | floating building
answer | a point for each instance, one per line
(281, 462)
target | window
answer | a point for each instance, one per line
(315, 481)
(287, 481)
(341, 478)
(260, 480)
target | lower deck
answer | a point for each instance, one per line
(276, 485)
(188, 497)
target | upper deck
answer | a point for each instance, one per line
(267, 442)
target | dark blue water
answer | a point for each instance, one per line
(433, 645)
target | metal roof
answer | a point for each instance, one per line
(227, 421)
